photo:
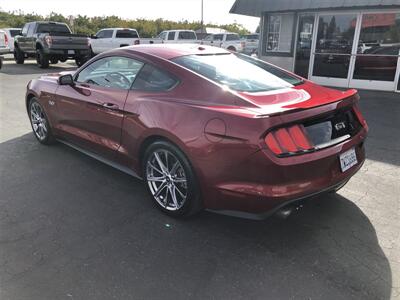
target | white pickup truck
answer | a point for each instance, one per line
(177, 37)
(228, 40)
(3, 43)
(111, 38)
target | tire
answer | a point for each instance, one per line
(54, 61)
(42, 59)
(179, 179)
(232, 49)
(43, 134)
(80, 61)
(19, 56)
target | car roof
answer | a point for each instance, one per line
(169, 51)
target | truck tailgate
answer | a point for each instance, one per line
(71, 42)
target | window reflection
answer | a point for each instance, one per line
(378, 47)
(334, 45)
(303, 48)
(336, 34)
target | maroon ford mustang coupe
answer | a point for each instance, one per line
(203, 127)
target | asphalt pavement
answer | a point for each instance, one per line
(74, 228)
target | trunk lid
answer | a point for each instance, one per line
(304, 96)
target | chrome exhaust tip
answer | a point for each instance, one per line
(286, 211)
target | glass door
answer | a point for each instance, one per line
(377, 53)
(303, 46)
(333, 48)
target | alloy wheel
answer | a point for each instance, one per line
(166, 179)
(39, 123)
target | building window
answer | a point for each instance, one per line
(274, 28)
(279, 34)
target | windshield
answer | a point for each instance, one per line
(60, 28)
(238, 72)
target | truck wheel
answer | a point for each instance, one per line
(80, 60)
(54, 60)
(42, 59)
(19, 56)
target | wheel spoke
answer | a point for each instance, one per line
(179, 180)
(154, 168)
(156, 179)
(173, 196)
(160, 163)
(175, 168)
(180, 193)
(166, 160)
(160, 189)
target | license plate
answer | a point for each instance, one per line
(71, 51)
(348, 159)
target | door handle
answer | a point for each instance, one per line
(110, 106)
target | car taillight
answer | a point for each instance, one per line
(6, 39)
(48, 40)
(288, 141)
(137, 42)
(360, 117)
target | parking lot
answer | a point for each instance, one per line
(74, 228)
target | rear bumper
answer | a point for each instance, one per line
(267, 183)
(67, 52)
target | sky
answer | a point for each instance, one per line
(215, 11)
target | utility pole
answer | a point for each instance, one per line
(202, 16)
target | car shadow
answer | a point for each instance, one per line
(73, 227)
(382, 111)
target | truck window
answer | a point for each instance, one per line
(25, 29)
(127, 34)
(187, 35)
(218, 37)
(31, 29)
(104, 34)
(171, 35)
(54, 28)
(162, 35)
(232, 37)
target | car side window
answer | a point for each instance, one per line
(152, 79)
(111, 72)
(171, 35)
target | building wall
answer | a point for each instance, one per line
(283, 62)
(284, 57)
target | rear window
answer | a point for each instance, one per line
(128, 34)
(14, 32)
(232, 37)
(56, 28)
(238, 72)
(187, 35)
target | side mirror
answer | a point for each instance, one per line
(92, 36)
(66, 80)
